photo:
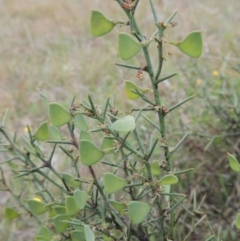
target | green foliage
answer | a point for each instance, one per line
(119, 206)
(71, 206)
(11, 213)
(138, 211)
(77, 235)
(128, 47)
(238, 221)
(233, 162)
(135, 198)
(70, 180)
(100, 25)
(89, 235)
(113, 183)
(42, 133)
(80, 122)
(125, 124)
(37, 207)
(58, 115)
(80, 198)
(61, 222)
(192, 45)
(168, 180)
(130, 87)
(45, 234)
(89, 153)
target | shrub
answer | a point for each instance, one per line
(121, 182)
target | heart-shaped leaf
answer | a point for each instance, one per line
(238, 221)
(168, 180)
(80, 198)
(36, 206)
(100, 24)
(119, 206)
(107, 238)
(192, 45)
(125, 124)
(70, 180)
(80, 122)
(233, 162)
(113, 183)
(85, 135)
(78, 227)
(42, 133)
(155, 168)
(11, 213)
(58, 114)
(56, 135)
(77, 236)
(71, 206)
(46, 233)
(89, 153)
(128, 47)
(58, 209)
(130, 86)
(41, 238)
(138, 211)
(107, 145)
(60, 224)
(89, 234)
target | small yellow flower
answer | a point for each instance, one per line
(26, 129)
(38, 199)
(216, 73)
(199, 81)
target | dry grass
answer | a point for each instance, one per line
(47, 46)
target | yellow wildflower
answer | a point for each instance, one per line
(26, 129)
(216, 73)
(38, 199)
(199, 81)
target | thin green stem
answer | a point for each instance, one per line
(165, 78)
(4, 118)
(179, 104)
(153, 11)
(151, 122)
(135, 6)
(139, 142)
(175, 205)
(179, 143)
(183, 171)
(160, 36)
(136, 91)
(61, 142)
(134, 185)
(152, 149)
(106, 108)
(171, 17)
(129, 66)
(143, 109)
